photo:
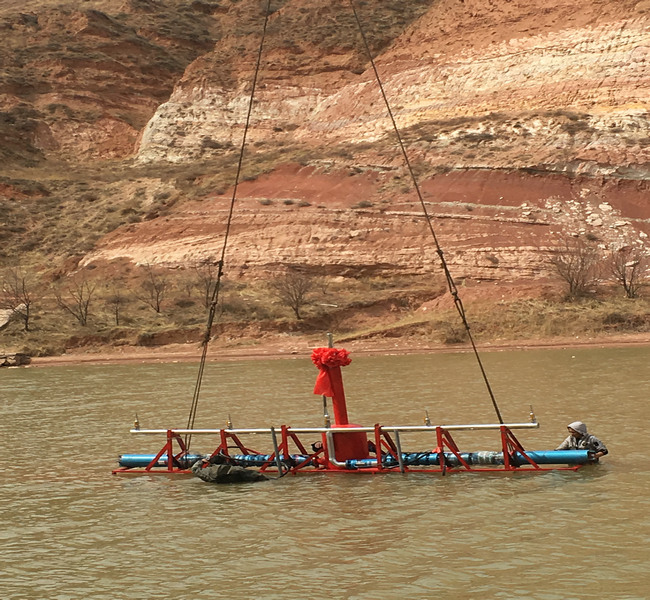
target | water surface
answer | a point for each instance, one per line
(71, 530)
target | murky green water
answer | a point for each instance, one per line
(71, 530)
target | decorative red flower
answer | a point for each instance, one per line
(325, 359)
(330, 357)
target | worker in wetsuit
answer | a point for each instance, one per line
(579, 439)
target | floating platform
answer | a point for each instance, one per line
(344, 447)
(351, 449)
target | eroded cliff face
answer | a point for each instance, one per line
(80, 80)
(527, 124)
(472, 84)
(523, 123)
(492, 225)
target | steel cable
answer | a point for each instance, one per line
(217, 287)
(450, 281)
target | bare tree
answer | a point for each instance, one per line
(294, 290)
(154, 288)
(207, 275)
(17, 295)
(576, 261)
(629, 268)
(75, 298)
(116, 300)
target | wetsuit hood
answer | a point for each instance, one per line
(578, 426)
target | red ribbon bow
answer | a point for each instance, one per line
(324, 359)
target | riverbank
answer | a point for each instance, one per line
(283, 347)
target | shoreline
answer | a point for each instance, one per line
(286, 349)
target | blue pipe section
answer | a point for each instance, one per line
(425, 459)
(420, 459)
(143, 460)
(555, 457)
(259, 460)
(242, 460)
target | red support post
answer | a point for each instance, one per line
(444, 439)
(297, 442)
(182, 450)
(338, 398)
(157, 457)
(223, 444)
(380, 466)
(512, 445)
(389, 444)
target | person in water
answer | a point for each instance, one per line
(579, 439)
(217, 469)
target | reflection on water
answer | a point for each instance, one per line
(71, 530)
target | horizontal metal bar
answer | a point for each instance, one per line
(431, 428)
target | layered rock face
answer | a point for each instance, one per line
(507, 85)
(527, 124)
(312, 218)
(523, 124)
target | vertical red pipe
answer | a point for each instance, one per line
(338, 396)
(380, 465)
(347, 445)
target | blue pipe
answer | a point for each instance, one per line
(259, 460)
(420, 459)
(555, 457)
(243, 460)
(143, 460)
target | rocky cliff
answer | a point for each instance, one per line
(524, 123)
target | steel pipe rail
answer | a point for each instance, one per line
(390, 428)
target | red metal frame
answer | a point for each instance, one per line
(320, 460)
(173, 460)
(511, 445)
(444, 439)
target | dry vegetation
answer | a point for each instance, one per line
(121, 313)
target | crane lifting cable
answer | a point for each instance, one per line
(214, 299)
(216, 289)
(450, 281)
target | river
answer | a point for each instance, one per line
(72, 530)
